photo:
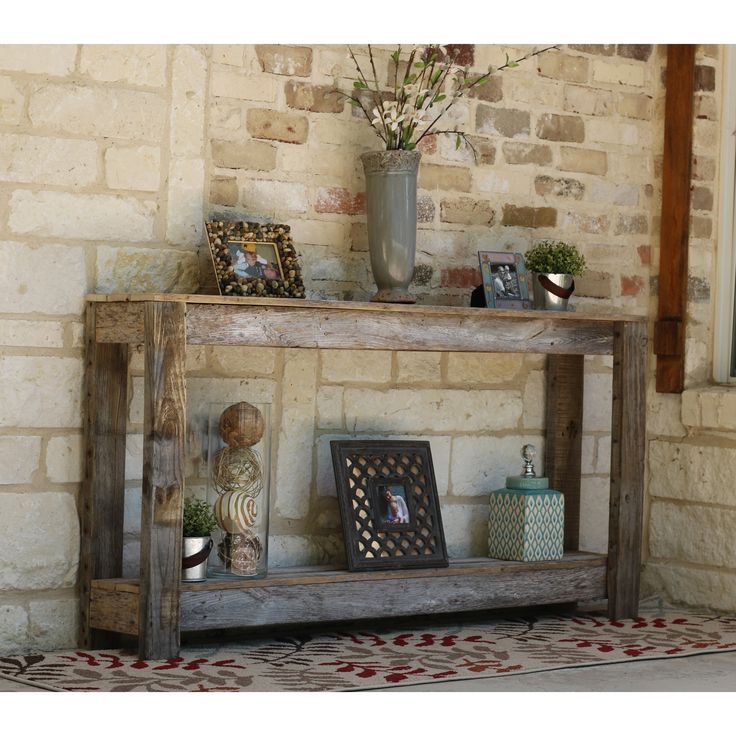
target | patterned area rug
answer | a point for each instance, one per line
(357, 659)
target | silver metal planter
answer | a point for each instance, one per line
(552, 290)
(195, 552)
(391, 198)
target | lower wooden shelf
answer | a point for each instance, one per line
(321, 594)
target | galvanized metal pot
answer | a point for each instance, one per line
(552, 290)
(195, 552)
(391, 198)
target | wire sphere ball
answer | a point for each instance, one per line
(241, 425)
(238, 469)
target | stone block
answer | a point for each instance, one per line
(584, 223)
(356, 366)
(188, 99)
(618, 133)
(40, 391)
(224, 190)
(594, 284)
(474, 150)
(418, 367)
(27, 333)
(64, 459)
(122, 270)
(533, 92)
(701, 535)
(314, 97)
(81, 216)
(584, 160)
(606, 192)
(339, 201)
(490, 91)
(691, 586)
(527, 153)
(535, 391)
(514, 216)
(53, 59)
(35, 159)
(321, 233)
(563, 66)
(597, 402)
(425, 209)
(54, 624)
(460, 277)
(503, 181)
(292, 61)
(277, 126)
(232, 54)
(140, 65)
(274, 197)
(99, 111)
(133, 167)
(633, 75)
(631, 225)
(713, 407)
(546, 186)
(185, 212)
(41, 549)
(134, 460)
(435, 176)
(508, 123)
(13, 629)
(553, 127)
(701, 198)
(588, 100)
(599, 49)
(411, 410)
(237, 85)
(466, 529)
(51, 279)
(466, 211)
(594, 504)
(638, 51)
(483, 368)
(253, 155)
(705, 78)
(19, 459)
(12, 101)
(329, 407)
(704, 168)
(638, 106)
(481, 464)
(234, 360)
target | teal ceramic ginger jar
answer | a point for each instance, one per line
(527, 518)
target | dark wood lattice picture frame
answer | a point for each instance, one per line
(382, 534)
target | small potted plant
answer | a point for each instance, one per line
(199, 521)
(553, 265)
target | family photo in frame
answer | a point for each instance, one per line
(505, 283)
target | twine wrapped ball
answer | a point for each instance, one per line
(238, 469)
(241, 425)
(235, 512)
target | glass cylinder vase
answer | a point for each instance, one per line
(239, 471)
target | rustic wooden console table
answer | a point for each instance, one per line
(158, 606)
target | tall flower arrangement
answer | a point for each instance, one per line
(430, 85)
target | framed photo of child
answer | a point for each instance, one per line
(253, 259)
(389, 506)
(505, 281)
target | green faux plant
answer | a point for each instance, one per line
(199, 521)
(554, 256)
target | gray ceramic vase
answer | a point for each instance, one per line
(391, 198)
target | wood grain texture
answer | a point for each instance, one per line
(114, 610)
(164, 426)
(102, 495)
(628, 432)
(564, 436)
(376, 598)
(675, 227)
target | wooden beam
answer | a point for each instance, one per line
(628, 432)
(564, 438)
(675, 228)
(102, 498)
(164, 425)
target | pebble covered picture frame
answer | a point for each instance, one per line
(254, 259)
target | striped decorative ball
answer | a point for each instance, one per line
(235, 511)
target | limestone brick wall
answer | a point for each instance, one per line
(692, 437)
(112, 158)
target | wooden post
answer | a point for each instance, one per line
(563, 445)
(628, 428)
(102, 498)
(669, 330)
(163, 478)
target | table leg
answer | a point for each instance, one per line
(163, 478)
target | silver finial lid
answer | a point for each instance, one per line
(527, 453)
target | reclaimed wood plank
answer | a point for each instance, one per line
(628, 432)
(115, 610)
(375, 598)
(675, 227)
(564, 436)
(163, 478)
(102, 495)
